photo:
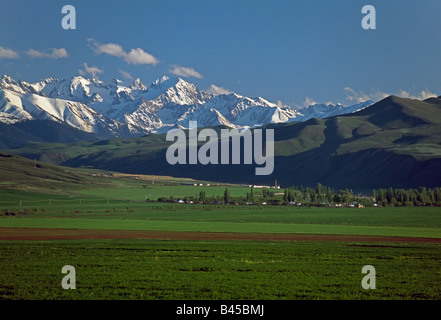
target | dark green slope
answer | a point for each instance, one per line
(395, 142)
(394, 112)
(46, 131)
(20, 173)
(39, 131)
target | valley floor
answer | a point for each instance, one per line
(126, 248)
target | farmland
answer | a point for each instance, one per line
(160, 269)
(124, 247)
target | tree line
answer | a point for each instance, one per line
(318, 195)
(254, 196)
(390, 197)
(418, 197)
(421, 196)
(321, 195)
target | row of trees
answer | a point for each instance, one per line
(421, 196)
(408, 197)
(322, 196)
(259, 196)
(319, 194)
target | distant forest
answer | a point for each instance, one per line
(391, 197)
(421, 196)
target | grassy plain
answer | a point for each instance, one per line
(236, 270)
(208, 269)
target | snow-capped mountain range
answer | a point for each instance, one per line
(117, 109)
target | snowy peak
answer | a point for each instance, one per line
(163, 83)
(138, 85)
(8, 83)
(330, 110)
(160, 81)
(184, 93)
(23, 101)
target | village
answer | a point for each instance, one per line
(263, 195)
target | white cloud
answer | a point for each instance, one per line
(111, 49)
(218, 90)
(135, 56)
(8, 53)
(404, 94)
(354, 97)
(424, 94)
(309, 102)
(54, 54)
(184, 72)
(139, 56)
(280, 104)
(126, 75)
(93, 70)
(357, 97)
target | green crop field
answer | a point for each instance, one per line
(212, 269)
(147, 269)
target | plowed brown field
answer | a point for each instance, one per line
(72, 234)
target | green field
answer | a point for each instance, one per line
(209, 269)
(196, 226)
(153, 192)
(143, 269)
(89, 209)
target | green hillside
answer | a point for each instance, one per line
(39, 131)
(20, 173)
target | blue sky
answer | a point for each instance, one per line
(288, 51)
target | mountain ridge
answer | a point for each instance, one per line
(136, 109)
